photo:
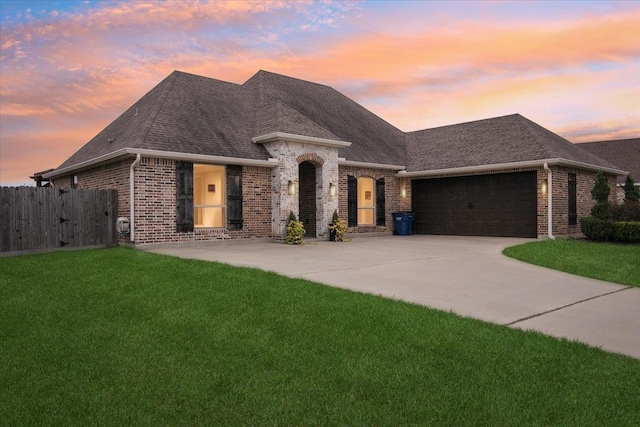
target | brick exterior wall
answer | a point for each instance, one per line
(584, 183)
(155, 198)
(156, 205)
(394, 201)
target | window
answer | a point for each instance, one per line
(365, 201)
(573, 211)
(208, 196)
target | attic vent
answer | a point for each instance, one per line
(109, 140)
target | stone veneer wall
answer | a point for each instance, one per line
(394, 201)
(289, 155)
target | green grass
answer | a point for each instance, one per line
(605, 261)
(123, 337)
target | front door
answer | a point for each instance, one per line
(307, 198)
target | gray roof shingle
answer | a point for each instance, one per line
(624, 153)
(497, 140)
(373, 139)
(198, 115)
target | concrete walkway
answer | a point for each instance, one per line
(466, 275)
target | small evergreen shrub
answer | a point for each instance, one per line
(295, 230)
(600, 190)
(338, 227)
(596, 229)
(601, 211)
(627, 211)
(626, 232)
(631, 192)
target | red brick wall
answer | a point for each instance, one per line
(584, 183)
(394, 202)
(156, 205)
(155, 200)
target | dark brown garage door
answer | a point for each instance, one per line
(482, 205)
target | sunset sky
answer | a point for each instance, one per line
(69, 68)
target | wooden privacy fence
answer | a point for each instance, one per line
(34, 219)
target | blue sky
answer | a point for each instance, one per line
(71, 67)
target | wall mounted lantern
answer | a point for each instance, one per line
(544, 188)
(403, 192)
(292, 188)
(333, 190)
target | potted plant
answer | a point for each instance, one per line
(337, 229)
(332, 230)
(295, 230)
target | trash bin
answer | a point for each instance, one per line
(403, 223)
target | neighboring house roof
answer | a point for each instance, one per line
(624, 153)
(500, 140)
(195, 115)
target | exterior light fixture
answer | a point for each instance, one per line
(333, 190)
(292, 188)
(403, 192)
(544, 188)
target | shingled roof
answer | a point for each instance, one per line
(624, 153)
(499, 140)
(191, 114)
(373, 139)
(197, 115)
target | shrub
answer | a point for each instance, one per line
(600, 190)
(340, 228)
(627, 211)
(631, 192)
(295, 231)
(601, 211)
(596, 229)
(626, 232)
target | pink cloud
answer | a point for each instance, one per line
(73, 73)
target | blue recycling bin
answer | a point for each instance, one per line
(403, 223)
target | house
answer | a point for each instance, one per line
(202, 159)
(624, 154)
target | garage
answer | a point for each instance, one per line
(502, 205)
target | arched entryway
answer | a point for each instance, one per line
(308, 208)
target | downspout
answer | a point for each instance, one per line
(132, 176)
(549, 202)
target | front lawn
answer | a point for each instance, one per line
(123, 337)
(612, 262)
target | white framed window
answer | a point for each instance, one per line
(366, 201)
(209, 196)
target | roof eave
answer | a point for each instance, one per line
(129, 152)
(344, 162)
(510, 165)
(284, 136)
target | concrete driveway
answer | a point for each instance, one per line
(466, 275)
